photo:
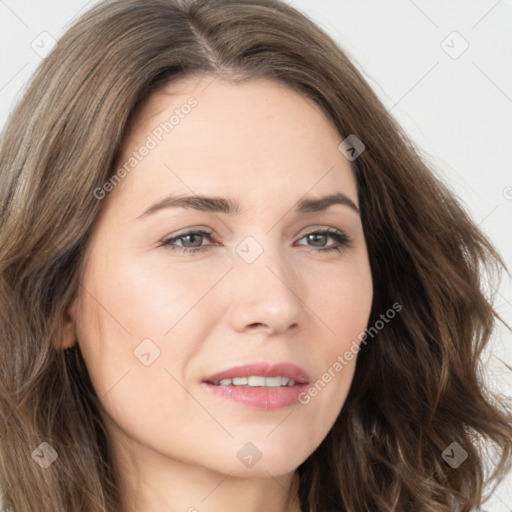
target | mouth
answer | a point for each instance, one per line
(259, 375)
(260, 385)
(256, 381)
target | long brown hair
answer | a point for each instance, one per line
(418, 385)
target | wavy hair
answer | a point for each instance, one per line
(418, 385)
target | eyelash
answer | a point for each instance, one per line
(341, 237)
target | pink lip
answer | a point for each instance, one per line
(292, 371)
(267, 398)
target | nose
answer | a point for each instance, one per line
(267, 296)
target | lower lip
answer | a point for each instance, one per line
(266, 398)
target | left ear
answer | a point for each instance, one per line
(68, 329)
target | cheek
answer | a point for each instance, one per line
(139, 326)
(343, 303)
(135, 302)
(133, 369)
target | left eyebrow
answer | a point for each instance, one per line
(217, 204)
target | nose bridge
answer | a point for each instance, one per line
(265, 293)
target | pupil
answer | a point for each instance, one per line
(314, 238)
(192, 236)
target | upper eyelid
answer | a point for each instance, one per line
(211, 234)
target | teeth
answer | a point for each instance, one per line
(257, 381)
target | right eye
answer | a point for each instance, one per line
(190, 237)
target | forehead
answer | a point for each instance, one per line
(205, 133)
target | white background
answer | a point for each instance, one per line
(457, 110)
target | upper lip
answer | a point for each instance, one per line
(290, 370)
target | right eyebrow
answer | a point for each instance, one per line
(225, 205)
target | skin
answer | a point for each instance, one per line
(176, 444)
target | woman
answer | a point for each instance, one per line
(228, 280)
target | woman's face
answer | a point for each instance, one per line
(172, 295)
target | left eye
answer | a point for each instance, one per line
(318, 238)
